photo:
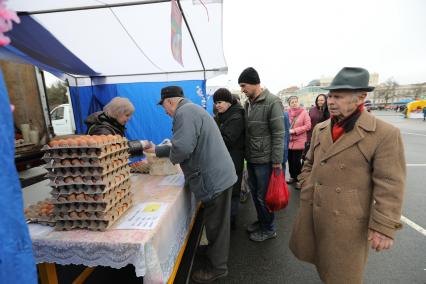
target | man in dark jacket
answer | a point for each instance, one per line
(209, 173)
(230, 118)
(264, 147)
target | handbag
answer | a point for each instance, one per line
(277, 196)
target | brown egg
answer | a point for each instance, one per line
(72, 142)
(68, 180)
(79, 196)
(82, 142)
(62, 143)
(71, 197)
(81, 214)
(73, 214)
(62, 199)
(78, 179)
(54, 143)
(75, 162)
(91, 142)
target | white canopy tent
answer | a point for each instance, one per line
(130, 41)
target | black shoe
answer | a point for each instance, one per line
(253, 227)
(208, 275)
(260, 235)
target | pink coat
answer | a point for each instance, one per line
(301, 127)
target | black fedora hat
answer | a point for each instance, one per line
(170, 92)
(351, 78)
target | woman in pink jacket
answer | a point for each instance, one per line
(300, 123)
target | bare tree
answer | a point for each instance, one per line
(387, 90)
(57, 94)
(418, 91)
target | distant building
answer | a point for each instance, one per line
(399, 95)
(286, 93)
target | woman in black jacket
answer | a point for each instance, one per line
(112, 120)
(230, 118)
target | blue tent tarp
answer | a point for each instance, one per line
(149, 120)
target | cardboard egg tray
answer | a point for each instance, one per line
(104, 163)
(109, 197)
(89, 206)
(110, 179)
(111, 214)
(35, 213)
(84, 152)
(86, 171)
(88, 189)
(73, 143)
(94, 225)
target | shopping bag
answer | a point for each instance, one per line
(277, 196)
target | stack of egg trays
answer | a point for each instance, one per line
(90, 184)
(100, 151)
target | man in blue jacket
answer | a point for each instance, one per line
(198, 147)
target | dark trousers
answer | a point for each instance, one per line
(217, 224)
(259, 175)
(294, 162)
(235, 200)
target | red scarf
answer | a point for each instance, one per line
(346, 124)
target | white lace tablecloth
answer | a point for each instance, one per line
(152, 252)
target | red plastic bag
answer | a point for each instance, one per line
(278, 195)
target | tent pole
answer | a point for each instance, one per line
(78, 104)
(20, 13)
(192, 38)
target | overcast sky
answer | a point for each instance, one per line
(293, 42)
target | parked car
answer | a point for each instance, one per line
(63, 120)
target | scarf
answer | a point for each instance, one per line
(345, 125)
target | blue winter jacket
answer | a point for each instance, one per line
(16, 256)
(286, 137)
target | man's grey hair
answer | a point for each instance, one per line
(356, 94)
(175, 99)
(119, 106)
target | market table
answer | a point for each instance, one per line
(154, 253)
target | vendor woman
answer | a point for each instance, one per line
(112, 120)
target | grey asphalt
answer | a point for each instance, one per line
(272, 261)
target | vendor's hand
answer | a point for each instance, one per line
(379, 241)
(151, 149)
(292, 131)
(277, 166)
(146, 144)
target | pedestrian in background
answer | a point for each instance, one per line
(424, 113)
(318, 113)
(230, 117)
(209, 173)
(300, 123)
(286, 138)
(264, 148)
(353, 183)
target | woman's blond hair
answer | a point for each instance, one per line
(119, 106)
